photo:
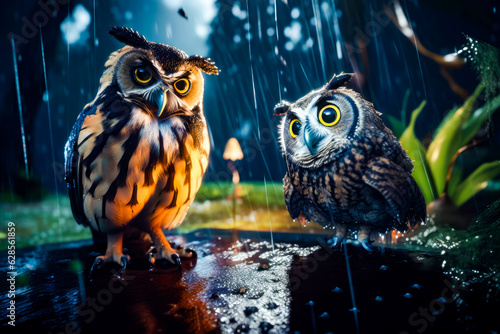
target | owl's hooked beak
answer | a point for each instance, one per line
(312, 139)
(160, 99)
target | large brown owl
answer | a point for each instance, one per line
(137, 153)
(346, 170)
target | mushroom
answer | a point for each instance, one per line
(233, 152)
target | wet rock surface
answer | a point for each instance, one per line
(245, 284)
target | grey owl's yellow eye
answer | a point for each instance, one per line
(182, 86)
(295, 126)
(329, 115)
(142, 75)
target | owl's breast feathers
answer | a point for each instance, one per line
(364, 185)
(122, 165)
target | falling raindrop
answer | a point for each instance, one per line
(269, 214)
(351, 287)
(50, 133)
(21, 121)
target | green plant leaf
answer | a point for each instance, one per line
(445, 119)
(396, 125)
(472, 126)
(416, 152)
(403, 107)
(456, 176)
(475, 182)
(448, 140)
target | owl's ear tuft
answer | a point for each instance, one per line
(339, 80)
(282, 108)
(204, 64)
(129, 37)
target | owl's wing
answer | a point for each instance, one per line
(73, 167)
(397, 186)
(294, 201)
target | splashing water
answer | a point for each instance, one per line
(21, 122)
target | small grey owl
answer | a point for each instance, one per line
(137, 153)
(346, 170)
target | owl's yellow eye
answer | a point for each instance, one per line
(329, 115)
(295, 126)
(182, 86)
(142, 75)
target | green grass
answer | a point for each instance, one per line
(50, 220)
(46, 221)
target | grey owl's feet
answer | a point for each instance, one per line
(364, 232)
(337, 240)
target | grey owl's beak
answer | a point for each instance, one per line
(312, 140)
(160, 99)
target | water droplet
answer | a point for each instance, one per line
(337, 290)
(325, 315)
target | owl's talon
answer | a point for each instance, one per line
(366, 245)
(125, 261)
(192, 251)
(336, 243)
(152, 250)
(98, 262)
(177, 260)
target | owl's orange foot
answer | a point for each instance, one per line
(101, 260)
(114, 253)
(163, 250)
(186, 252)
(171, 255)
